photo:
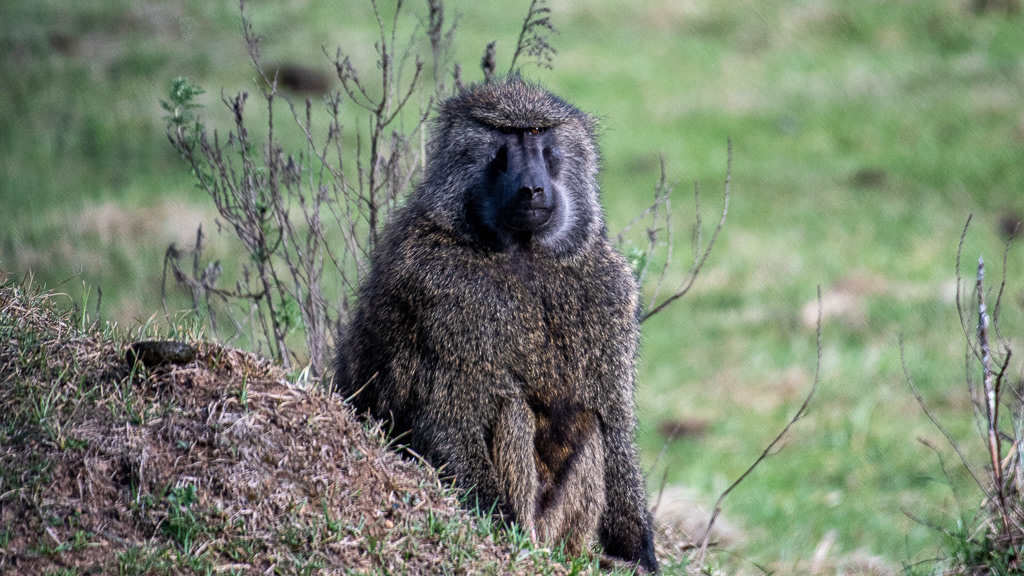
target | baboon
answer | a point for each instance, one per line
(497, 328)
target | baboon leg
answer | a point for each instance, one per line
(579, 498)
(625, 525)
(513, 455)
(455, 441)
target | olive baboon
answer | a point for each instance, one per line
(498, 327)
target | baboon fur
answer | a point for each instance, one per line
(504, 353)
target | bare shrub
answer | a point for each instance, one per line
(992, 546)
(308, 220)
(286, 208)
(655, 255)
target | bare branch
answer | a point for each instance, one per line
(659, 199)
(942, 429)
(698, 560)
(280, 206)
(964, 324)
(991, 383)
(695, 270)
(1002, 287)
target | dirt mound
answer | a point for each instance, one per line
(217, 466)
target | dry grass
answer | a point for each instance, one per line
(218, 466)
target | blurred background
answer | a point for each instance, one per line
(864, 134)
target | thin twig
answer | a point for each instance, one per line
(688, 283)
(942, 429)
(698, 561)
(964, 324)
(1002, 288)
(991, 385)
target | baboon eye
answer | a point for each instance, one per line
(537, 130)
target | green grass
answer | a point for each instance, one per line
(864, 134)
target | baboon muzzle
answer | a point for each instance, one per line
(528, 199)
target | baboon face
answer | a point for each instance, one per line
(511, 164)
(518, 194)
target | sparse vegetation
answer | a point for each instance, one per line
(864, 133)
(986, 540)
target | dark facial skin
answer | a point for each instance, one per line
(518, 198)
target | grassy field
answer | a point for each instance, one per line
(863, 136)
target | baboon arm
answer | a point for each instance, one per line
(513, 456)
(455, 441)
(625, 526)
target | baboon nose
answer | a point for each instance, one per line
(531, 192)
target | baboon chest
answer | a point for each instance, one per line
(561, 325)
(551, 336)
